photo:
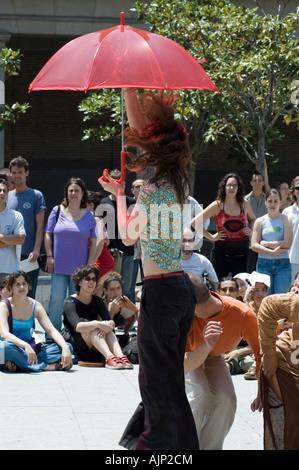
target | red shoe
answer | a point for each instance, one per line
(126, 363)
(114, 362)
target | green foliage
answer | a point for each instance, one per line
(10, 63)
(10, 114)
(251, 57)
(105, 104)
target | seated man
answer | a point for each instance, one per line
(218, 326)
(196, 263)
(229, 286)
(241, 359)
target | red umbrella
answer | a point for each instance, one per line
(122, 57)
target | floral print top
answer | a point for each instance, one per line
(162, 236)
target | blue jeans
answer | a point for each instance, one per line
(33, 277)
(10, 352)
(127, 267)
(279, 271)
(60, 283)
(137, 264)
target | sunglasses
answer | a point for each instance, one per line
(229, 289)
(92, 279)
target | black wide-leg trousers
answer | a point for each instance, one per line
(163, 420)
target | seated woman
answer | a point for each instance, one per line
(87, 324)
(18, 344)
(243, 284)
(120, 307)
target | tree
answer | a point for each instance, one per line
(253, 59)
(105, 104)
(10, 63)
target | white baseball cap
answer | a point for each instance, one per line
(245, 277)
(258, 277)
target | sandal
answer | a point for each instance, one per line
(10, 366)
(250, 374)
(58, 366)
(91, 364)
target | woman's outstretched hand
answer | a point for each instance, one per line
(109, 184)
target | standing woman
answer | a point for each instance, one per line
(271, 239)
(70, 241)
(17, 317)
(234, 220)
(292, 213)
(164, 419)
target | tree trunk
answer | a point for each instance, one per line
(261, 152)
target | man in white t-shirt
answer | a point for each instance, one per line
(12, 233)
(191, 209)
(196, 263)
(293, 214)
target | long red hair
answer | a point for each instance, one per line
(163, 143)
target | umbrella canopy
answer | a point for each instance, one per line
(122, 57)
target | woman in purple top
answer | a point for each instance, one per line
(70, 242)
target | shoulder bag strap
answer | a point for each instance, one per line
(9, 314)
(57, 213)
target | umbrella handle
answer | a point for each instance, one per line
(122, 167)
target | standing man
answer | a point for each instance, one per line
(5, 174)
(135, 188)
(256, 197)
(12, 233)
(108, 211)
(196, 263)
(31, 204)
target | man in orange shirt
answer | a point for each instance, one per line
(218, 326)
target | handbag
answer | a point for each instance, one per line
(42, 259)
(42, 262)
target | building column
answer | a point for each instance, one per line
(4, 38)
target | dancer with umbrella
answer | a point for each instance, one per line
(128, 58)
(164, 419)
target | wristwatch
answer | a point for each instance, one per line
(266, 244)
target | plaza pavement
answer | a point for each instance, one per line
(88, 408)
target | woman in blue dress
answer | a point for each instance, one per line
(20, 348)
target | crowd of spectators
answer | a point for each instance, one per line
(96, 278)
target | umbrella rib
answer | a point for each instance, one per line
(86, 87)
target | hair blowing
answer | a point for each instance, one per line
(164, 144)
